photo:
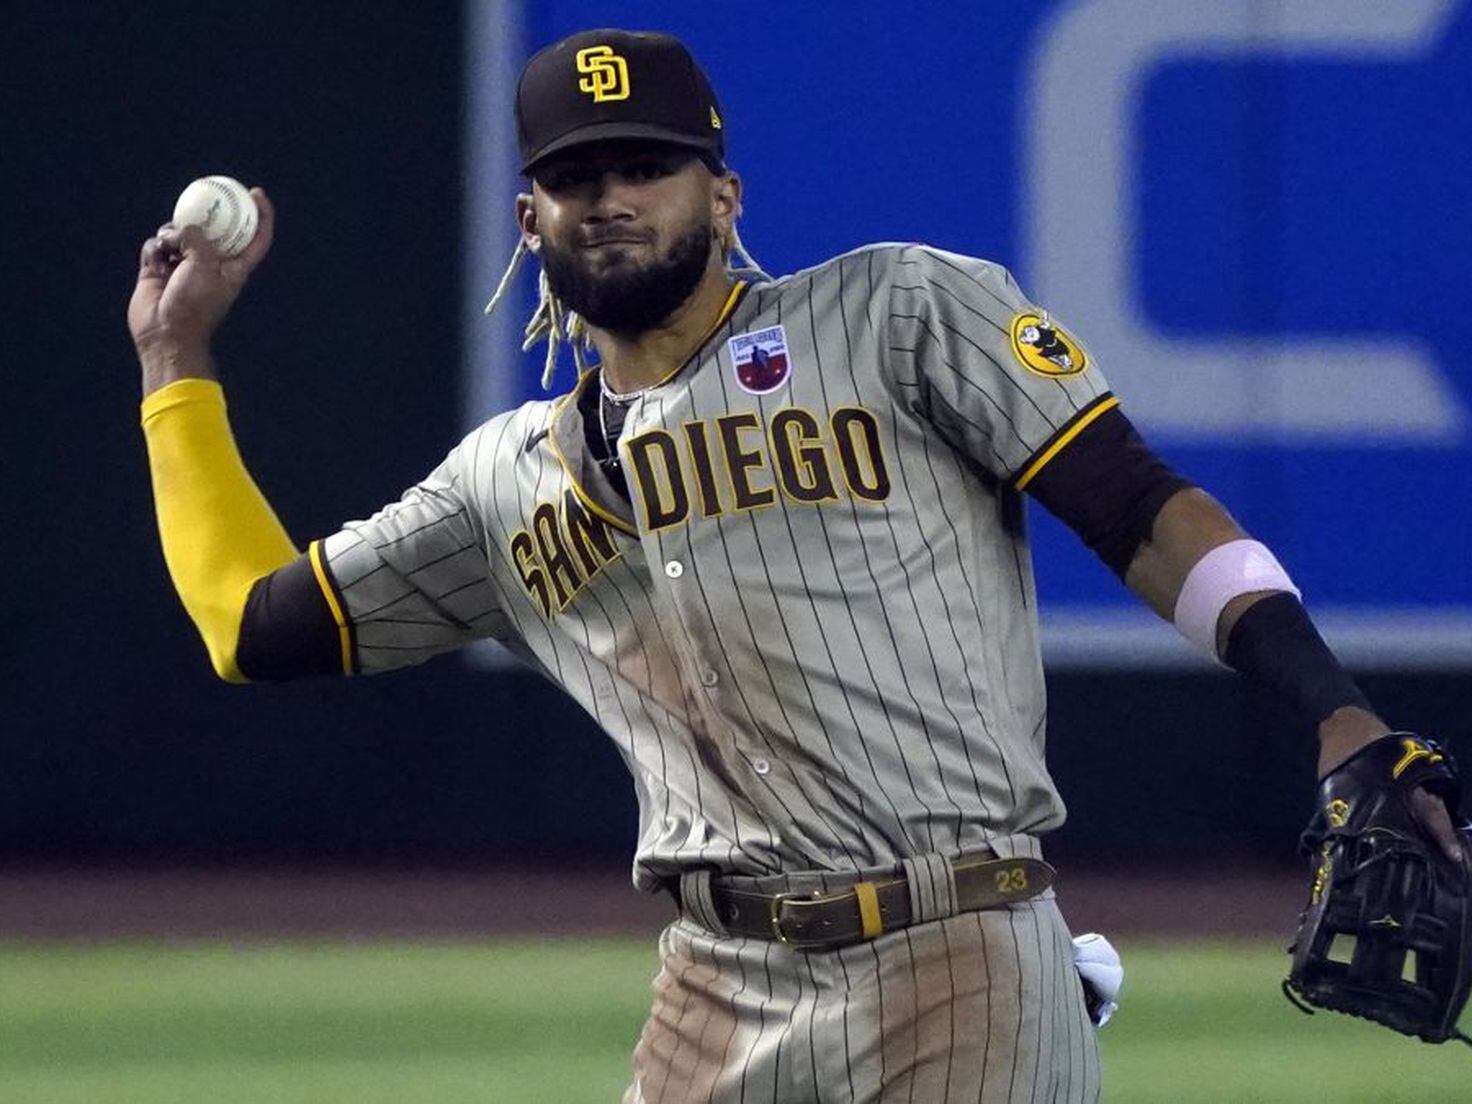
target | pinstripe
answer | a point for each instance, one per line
(771, 681)
(1018, 1005)
(1059, 1044)
(689, 755)
(817, 1079)
(889, 520)
(343, 584)
(746, 705)
(792, 1008)
(937, 286)
(769, 997)
(1064, 392)
(914, 1032)
(1063, 949)
(951, 1019)
(848, 1054)
(346, 546)
(727, 663)
(1020, 574)
(419, 529)
(930, 651)
(669, 1064)
(755, 1048)
(1045, 976)
(500, 516)
(778, 696)
(958, 440)
(883, 1003)
(938, 256)
(990, 988)
(628, 725)
(881, 656)
(561, 642)
(655, 727)
(825, 730)
(694, 712)
(704, 1069)
(962, 376)
(979, 622)
(832, 664)
(691, 1077)
(863, 651)
(736, 996)
(437, 560)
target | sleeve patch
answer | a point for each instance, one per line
(1044, 348)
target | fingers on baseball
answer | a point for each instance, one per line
(158, 257)
(259, 245)
(193, 242)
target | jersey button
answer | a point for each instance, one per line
(761, 766)
(709, 678)
(674, 569)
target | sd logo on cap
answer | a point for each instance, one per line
(607, 84)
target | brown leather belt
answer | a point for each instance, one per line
(823, 921)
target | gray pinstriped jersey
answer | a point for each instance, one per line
(812, 631)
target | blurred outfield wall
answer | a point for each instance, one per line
(1254, 213)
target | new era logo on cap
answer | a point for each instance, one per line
(608, 84)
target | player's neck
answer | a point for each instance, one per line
(635, 361)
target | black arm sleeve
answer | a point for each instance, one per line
(1107, 486)
(1275, 645)
(288, 630)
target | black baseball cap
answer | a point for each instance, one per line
(595, 86)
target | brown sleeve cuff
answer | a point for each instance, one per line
(288, 630)
(1105, 484)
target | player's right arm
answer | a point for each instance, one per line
(266, 611)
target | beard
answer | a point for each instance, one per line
(627, 298)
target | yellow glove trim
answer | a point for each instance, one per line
(219, 533)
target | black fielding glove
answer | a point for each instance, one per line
(1387, 934)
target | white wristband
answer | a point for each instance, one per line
(1237, 567)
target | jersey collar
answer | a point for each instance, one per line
(565, 432)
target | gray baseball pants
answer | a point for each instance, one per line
(981, 1006)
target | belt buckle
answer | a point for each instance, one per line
(816, 897)
(774, 913)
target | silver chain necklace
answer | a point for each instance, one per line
(606, 396)
(622, 398)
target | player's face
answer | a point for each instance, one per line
(626, 230)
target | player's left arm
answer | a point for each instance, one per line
(1186, 558)
(1005, 383)
(1200, 570)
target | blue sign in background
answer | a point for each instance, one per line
(1311, 189)
(1272, 195)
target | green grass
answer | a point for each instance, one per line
(554, 1021)
(396, 1023)
(1207, 1022)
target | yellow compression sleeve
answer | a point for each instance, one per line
(218, 531)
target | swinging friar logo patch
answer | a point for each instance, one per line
(1044, 348)
(760, 360)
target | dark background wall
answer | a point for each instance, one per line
(116, 742)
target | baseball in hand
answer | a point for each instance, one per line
(222, 208)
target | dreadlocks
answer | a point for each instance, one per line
(560, 326)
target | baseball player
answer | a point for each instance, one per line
(773, 540)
